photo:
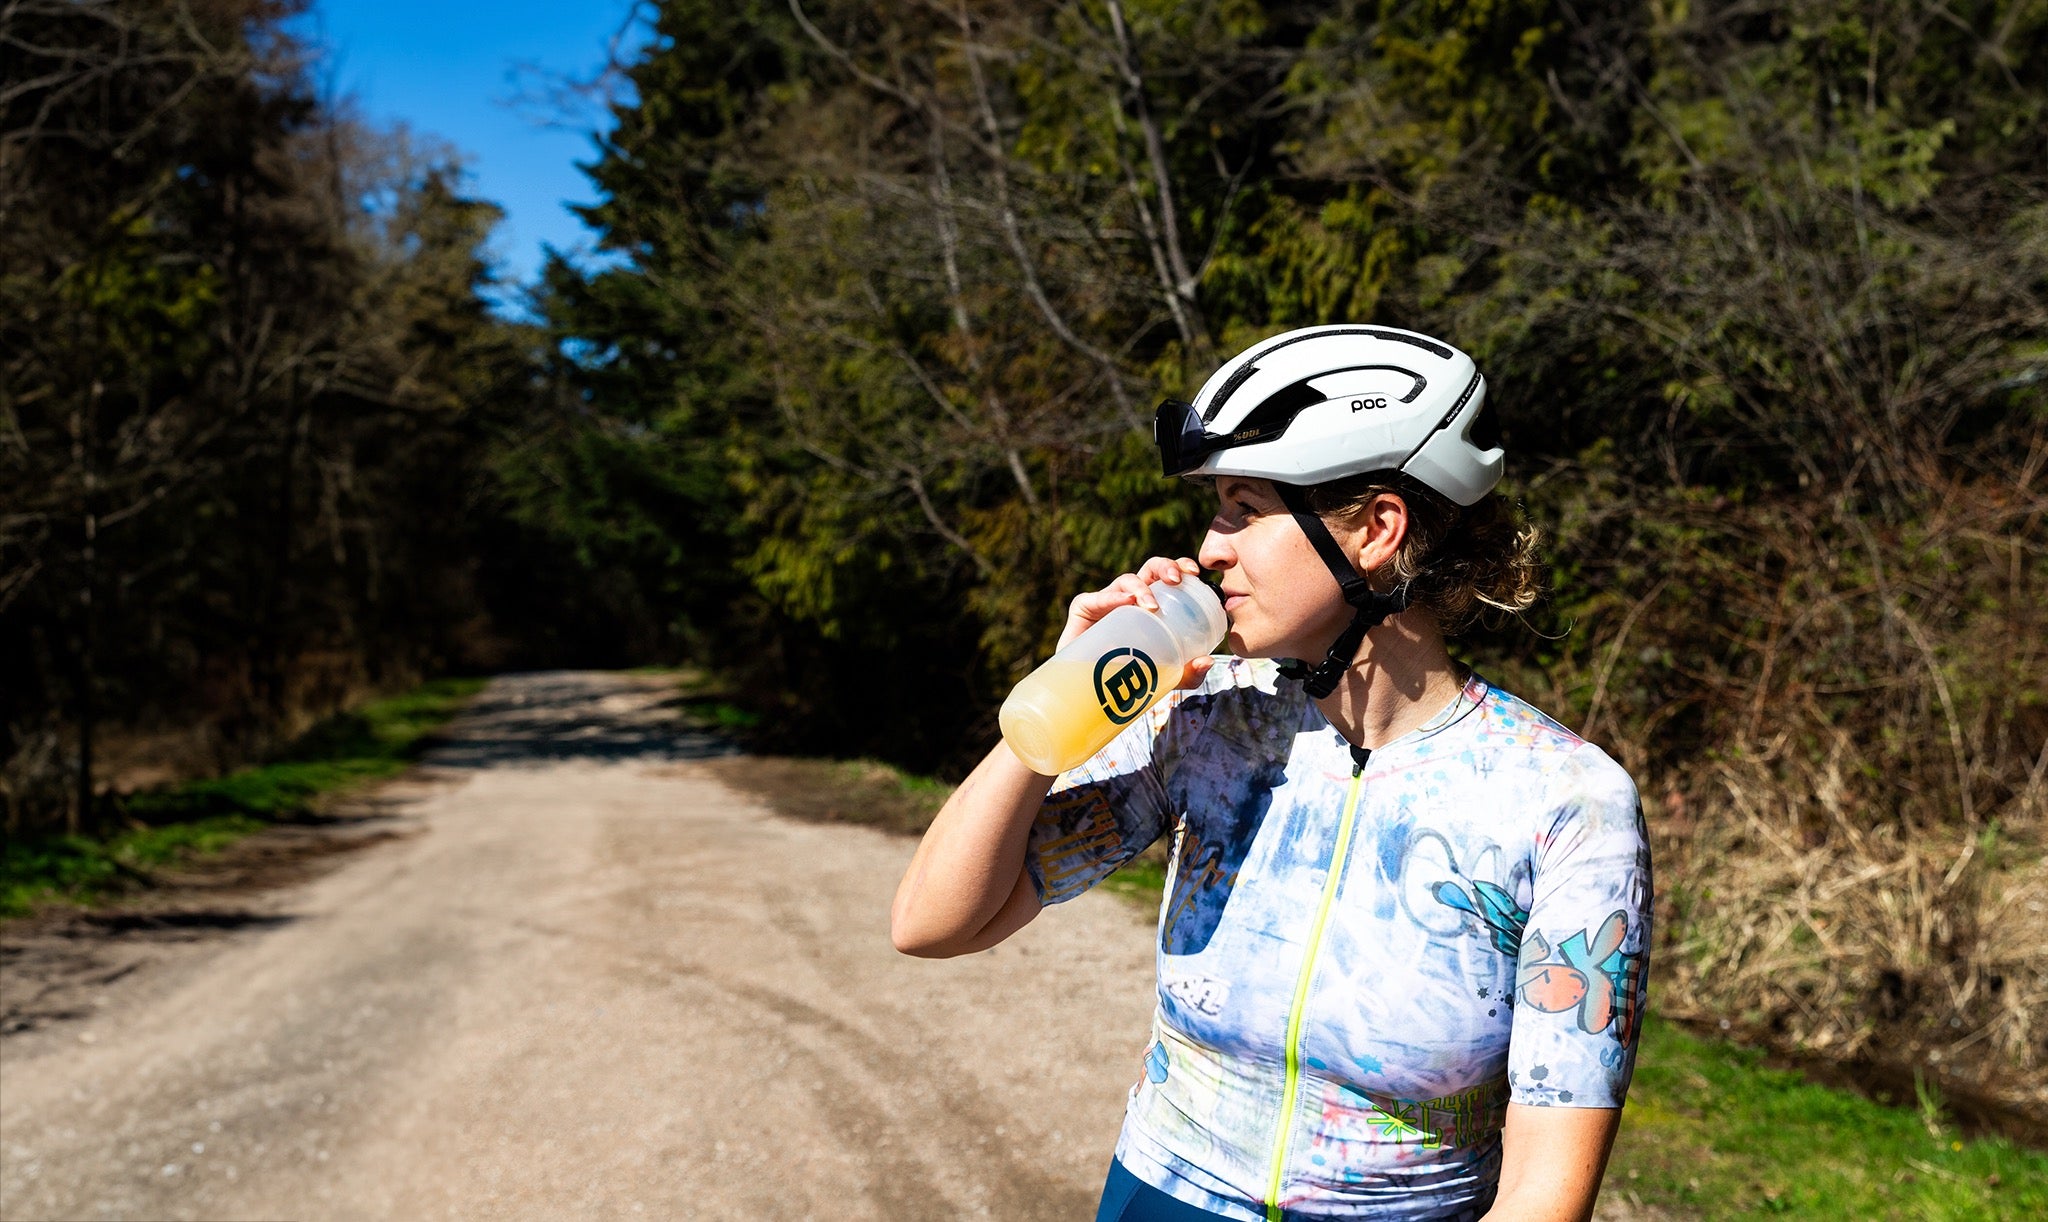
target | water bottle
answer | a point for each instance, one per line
(1084, 695)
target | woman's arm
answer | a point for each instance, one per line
(1579, 979)
(967, 888)
(1551, 1162)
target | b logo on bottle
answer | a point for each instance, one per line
(1124, 682)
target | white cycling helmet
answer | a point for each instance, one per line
(1318, 404)
(1321, 403)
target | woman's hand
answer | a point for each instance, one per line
(1130, 590)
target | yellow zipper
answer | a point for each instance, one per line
(1294, 1012)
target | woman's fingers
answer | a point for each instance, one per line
(1130, 589)
(1197, 670)
(1158, 568)
(1087, 609)
(1171, 571)
(1094, 606)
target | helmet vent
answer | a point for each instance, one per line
(1249, 368)
(1244, 373)
(1281, 406)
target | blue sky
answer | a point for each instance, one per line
(451, 69)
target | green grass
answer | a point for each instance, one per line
(374, 741)
(724, 717)
(1141, 880)
(703, 702)
(1710, 1132)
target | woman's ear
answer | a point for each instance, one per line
(1381, 530)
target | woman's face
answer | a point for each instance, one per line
(1281, 599)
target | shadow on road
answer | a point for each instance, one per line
(173, 924)
(538, 720)
(57, 964)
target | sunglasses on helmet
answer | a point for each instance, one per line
(1184, 444)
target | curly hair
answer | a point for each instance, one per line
(1460, 562)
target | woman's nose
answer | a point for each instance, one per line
(1216, 554)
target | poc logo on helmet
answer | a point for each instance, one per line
(1124, 682)
(1368, 402)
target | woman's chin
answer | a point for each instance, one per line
(1249, 647)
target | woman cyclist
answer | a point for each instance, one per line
(1404, 936)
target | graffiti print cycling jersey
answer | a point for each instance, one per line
(1361, 966)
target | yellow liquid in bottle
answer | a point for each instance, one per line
(1062, 712)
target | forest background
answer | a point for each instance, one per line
(859, 396)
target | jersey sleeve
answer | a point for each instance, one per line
(1585, 952)
(1099, 815)
(1105, 812)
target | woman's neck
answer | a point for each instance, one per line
(1403, 677)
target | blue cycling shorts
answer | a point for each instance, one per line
(1126, 1198)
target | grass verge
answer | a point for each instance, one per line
(1142, 879)
(167, 825)
(837, 791)
(1710, 1132)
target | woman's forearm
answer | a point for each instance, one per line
(1552, 1159)
(966, 888)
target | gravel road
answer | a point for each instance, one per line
(583, 980)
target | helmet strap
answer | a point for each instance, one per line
(1369, 607)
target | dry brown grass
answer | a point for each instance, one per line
(1840, 728)
(1883, 945)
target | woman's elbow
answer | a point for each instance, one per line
(913, 932)
(909, 939)
(941, 930)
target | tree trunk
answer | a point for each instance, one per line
(284, 533)
(84, 813)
